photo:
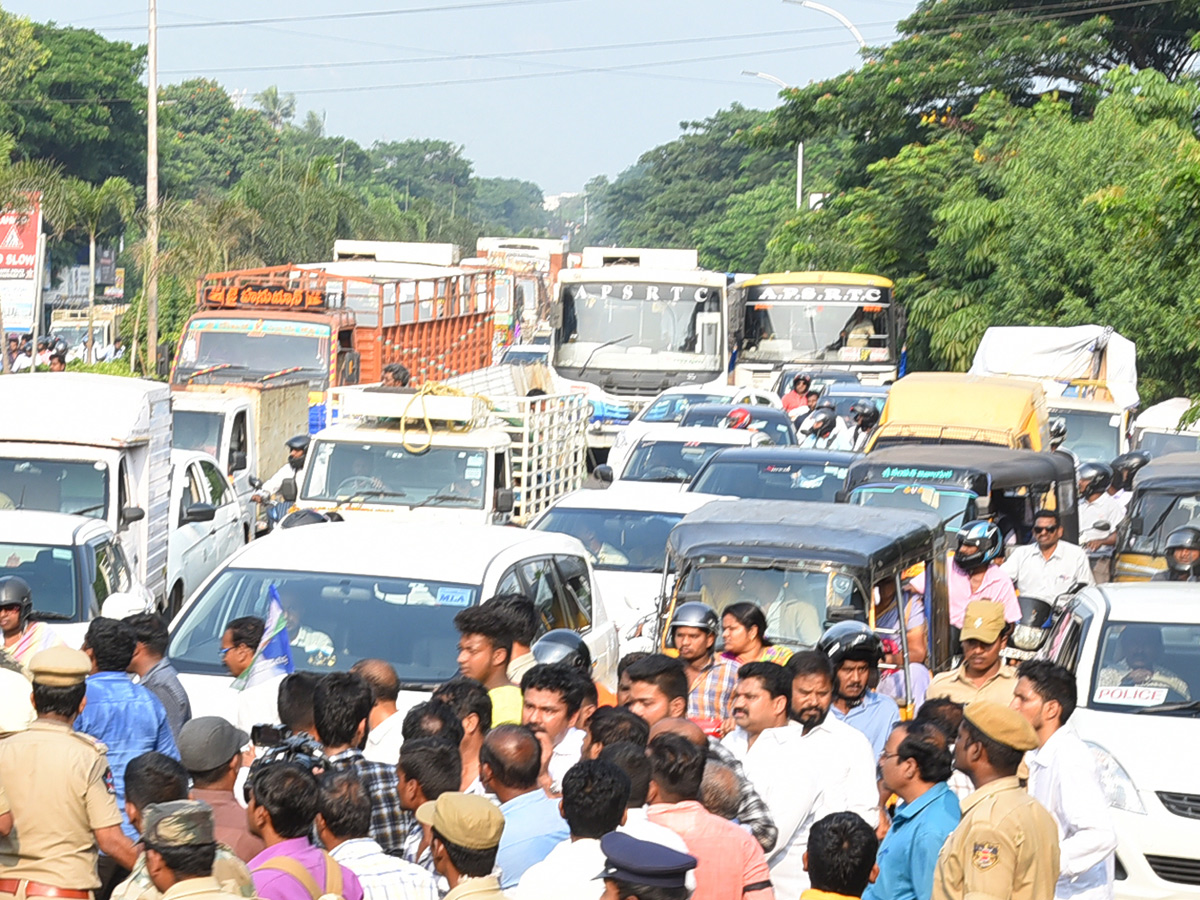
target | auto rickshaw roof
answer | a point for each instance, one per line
(1170, 472)
(801, 530)
(935, 464)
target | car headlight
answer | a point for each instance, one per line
(1119, 789)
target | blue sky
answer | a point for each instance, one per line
(545, 90)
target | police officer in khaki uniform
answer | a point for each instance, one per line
(60, 789)
(180, 850)
(1006, 845)
(983, 674)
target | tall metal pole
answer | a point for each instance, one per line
(151, 274)
(799, 174)
(830, 11)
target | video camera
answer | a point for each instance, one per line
(278, 745)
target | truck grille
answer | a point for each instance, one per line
(1173, 868)
(1186, 805)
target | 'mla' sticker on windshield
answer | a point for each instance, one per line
(447, 596)
(1131, 695)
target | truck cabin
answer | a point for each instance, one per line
(1166, 496)
(1007, 486)
(807, 565)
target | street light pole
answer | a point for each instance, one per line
(151, 283)
(783, 85)
(830, 11)
(765, 77)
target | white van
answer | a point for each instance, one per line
(379, 589)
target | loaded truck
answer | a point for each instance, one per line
(335, 324)
(93, 445)
(474, 449)
(244, 425)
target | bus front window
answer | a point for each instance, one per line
(785, 331)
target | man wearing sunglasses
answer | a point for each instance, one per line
(1050, 565)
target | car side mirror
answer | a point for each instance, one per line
(199, 512)
(287, 489)
(255, 483)
(841, 496)
(504, 500)
(604, 474)
(237, 461)
(1136, 525)
(1102, 526)
(132, 514)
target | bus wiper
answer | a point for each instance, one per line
(1184, 706)
(587, 362)
(41, 615)
(271, 375)
(441, 498)
(86, 510)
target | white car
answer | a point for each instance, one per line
(207, 520)
(667, 409)
(75, 568)
(624, 530)
(380, 589)
(674, 455)
(1135, 650)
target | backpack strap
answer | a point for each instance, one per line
(289, 866)
(333, 876)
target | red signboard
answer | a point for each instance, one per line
(18, 240)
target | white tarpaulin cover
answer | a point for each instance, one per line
(1056, 356)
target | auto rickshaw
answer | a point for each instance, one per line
(809, 565)
(1166, 496)
(961, 484)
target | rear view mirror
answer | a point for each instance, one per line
(504, 500)
(841, 497)
(287, 489)
(1136, 525)
(1102, 526)
(836, 614)
(255, 483)
(132, 514)
(604, 474)
(237, 461)
(199, 512)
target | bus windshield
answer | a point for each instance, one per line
(1091, 436)
(640, 326)
(800, 329)
(249, 349)
(952, 504)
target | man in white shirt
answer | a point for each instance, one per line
(1050, 565)
(1064, 779)
(767, 744)
(383, 736)
(258, 703)
(839, 752)
(594, 795)
(1095, 507)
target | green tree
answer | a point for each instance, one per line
(278, 108)
(20, 53)
(737, 241)
(508, 206)
(429, 169)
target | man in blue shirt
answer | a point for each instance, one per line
(126, 717)
(510, 763)
(915, 764)
(855, 651)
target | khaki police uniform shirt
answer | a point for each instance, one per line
(196, 889)
(1006, 846)
(60, 789)
(958, 687)
(229, 872)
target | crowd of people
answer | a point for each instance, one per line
(754, 772)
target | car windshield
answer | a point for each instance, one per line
(195, 430)
(949, 503)
(671, 407)
(515, 357)
(54, 485)
(845, 401)
(1091, 436)
(618, 539)
(795, 602)
(1160, 514)
(391, 475)
(777, 427)
(215, 349)
(771, 480)
(333, 620)
(50, 573)
(1159, 443)
(1143, 665)
(668, 460)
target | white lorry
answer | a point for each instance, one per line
(92, 445)
(245, 426)
(472, 449)
(1159, 429)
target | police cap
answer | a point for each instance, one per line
(1003, 725)
(60, 667)
(642, 862)
(177, 823)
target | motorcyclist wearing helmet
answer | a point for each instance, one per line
(297, 451)
(1099, 515)
(823, 429)
(738, 418)
(975, 573)
(797, 396)
(865, 416)
(1183, 556)
(693, 631)
(562, 645)
(982, 674)
(22, 637)
(1124, 468)
(855, 652)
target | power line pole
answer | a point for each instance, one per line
(151, 284)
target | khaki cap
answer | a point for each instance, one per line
(60, 667)
(1003, 725)
(464, 819)
(179, 823)
(982, 621)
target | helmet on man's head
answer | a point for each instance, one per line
(865, 413)
(1184, 538)
(300, 442)
(695, 614)
(563, 646)
(982, 534)
(14, 591)
(1127, 465)
(820, 422)
(850, 640)
(1094, 478)
(801, 378)
(738, 418)
(1058, 430)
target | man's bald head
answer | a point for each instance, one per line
(380, 677)
(685, 728)
(512, 756)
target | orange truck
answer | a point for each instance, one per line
(303, 323)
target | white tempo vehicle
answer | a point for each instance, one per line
(379, 589)
(1135, 650)
(675, 455)
(667, 409)
(624, 530)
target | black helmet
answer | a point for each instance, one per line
(1185, 538)
(562, 645)
(299, 442)
(850, 640)
(1094, 478)
(827, 402)
(982, 534)
(14, 591)
(865, 413)
(820, 422)
(695, 614)
(801, 377)
(1058, 429)
(1127, 465)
